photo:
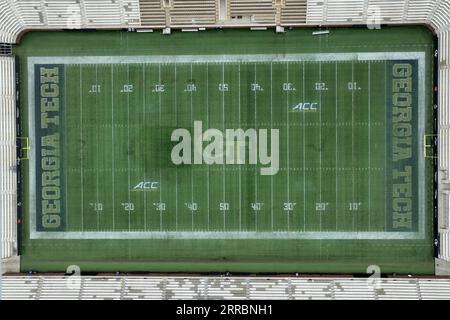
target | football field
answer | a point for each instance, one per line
(189, 153)
(337, 128)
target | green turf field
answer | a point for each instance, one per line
(344, 182)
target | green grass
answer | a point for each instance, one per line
(332, 160)
(336, 163)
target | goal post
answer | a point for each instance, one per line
(429, 141)
(23, 146)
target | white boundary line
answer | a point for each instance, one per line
(357, 56)
(229, 235)
(420, 56)
(370, 162)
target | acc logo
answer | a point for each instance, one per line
(306, 106)
(147, 185)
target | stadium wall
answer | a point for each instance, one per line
(19, 16)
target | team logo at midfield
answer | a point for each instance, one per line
(234, 146)
(146, 186)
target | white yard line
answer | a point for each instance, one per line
(192, 170)
(207, 123)
(287, 147)
(369, 174)
(98, 156)
(223, 128)
(353, 150)
(256, 166)
(304, 151)
(128, 148)
(336, 147)
(355, 56)
(271, 126)
(81, 150)
(112, 146)
(320, 145)
(240, 169)
(160, 139)
(176, 168)
(144, 116)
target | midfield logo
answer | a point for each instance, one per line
(147, 185)
(306, 106)
(234, 146)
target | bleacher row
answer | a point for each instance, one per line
(8, 198)
(219, 288)
(19, 15)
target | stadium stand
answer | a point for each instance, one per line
(187, 13)
(8, 178)
(441, 21)
(17, 16)
(252, 11)
(153, 14)
(294, 12)
(68, 14)
(57, 287)
(10, 23)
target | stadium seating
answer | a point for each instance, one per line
(10, 24)
(441, 22)
(444, 99)
(8, 178)
(440, 17)
(187, 12)
(32, 287)
(419, 10)
(294, 12)
(444, 252)
(152, 13)
(72, 14)
(17, 16)
(109, 12)
(252, 11)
